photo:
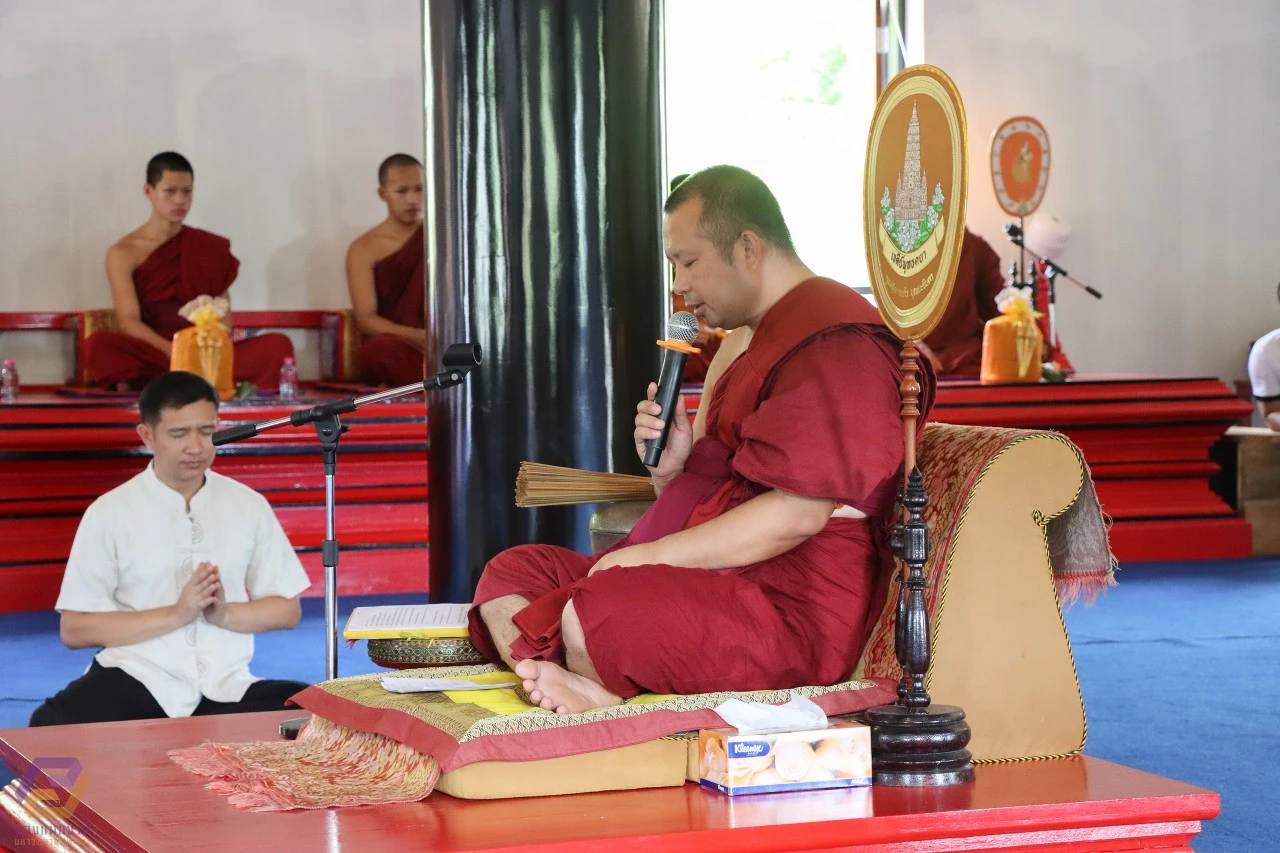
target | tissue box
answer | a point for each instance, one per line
(838, 756)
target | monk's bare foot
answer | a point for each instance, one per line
(555, 688)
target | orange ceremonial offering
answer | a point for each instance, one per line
(205, 348)
(1012, 345)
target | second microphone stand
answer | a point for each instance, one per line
(1024, 276)
(458, 360)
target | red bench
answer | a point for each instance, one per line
(59, 453)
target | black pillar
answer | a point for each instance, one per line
(543, 141)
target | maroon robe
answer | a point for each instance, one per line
(191, 263)
(957, 339)
(812, 408)
(399, 282)
(1053, 351)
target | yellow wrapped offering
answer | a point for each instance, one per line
(205, 348)
(1012, 346)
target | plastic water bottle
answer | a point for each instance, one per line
(288, 380)
(8, 382)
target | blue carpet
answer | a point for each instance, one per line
(1178, 667)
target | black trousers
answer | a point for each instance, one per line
(105, 694)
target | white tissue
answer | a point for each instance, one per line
(425, 685)
(800, 714)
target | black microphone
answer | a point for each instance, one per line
(682, 330)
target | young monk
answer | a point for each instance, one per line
(754, 568)
(154, 271)
(385, 275)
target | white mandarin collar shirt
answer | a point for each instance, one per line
(136, 548)
(1264, 367)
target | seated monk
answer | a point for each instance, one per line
(157, 269)
(954, 347)
(385, 275)
(755, 567)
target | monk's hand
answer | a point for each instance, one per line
(632, 555)
(679, 441)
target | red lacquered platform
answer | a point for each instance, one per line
(59, 451)
(128, 796)
(1146, 440)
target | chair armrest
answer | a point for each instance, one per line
(85, 324)
(347, 341)
(999, 648)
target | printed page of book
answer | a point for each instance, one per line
(407, 620)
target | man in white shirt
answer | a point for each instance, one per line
(171, 574)
(1264, 377)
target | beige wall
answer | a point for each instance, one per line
(1164, 132)
(284, 107)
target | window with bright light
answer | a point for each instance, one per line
(786, 91)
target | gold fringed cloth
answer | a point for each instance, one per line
(328, 765)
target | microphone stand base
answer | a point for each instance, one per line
(289, 728)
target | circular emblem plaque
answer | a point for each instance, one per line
(1020, 165)
(915, 190)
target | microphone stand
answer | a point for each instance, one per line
(459, 359)
(1052, 269)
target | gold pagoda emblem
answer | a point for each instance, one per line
(913, 222)
(917, 147)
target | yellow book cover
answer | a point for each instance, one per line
(398, 621)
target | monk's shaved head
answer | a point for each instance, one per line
(395, 161)
(733, 200)
(167, 161)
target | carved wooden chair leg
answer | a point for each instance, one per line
(913, 742)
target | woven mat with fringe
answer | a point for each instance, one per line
(336, 765)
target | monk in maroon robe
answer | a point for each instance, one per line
(157, 269)
(956, 342)
(386, 277)
(756, 566)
